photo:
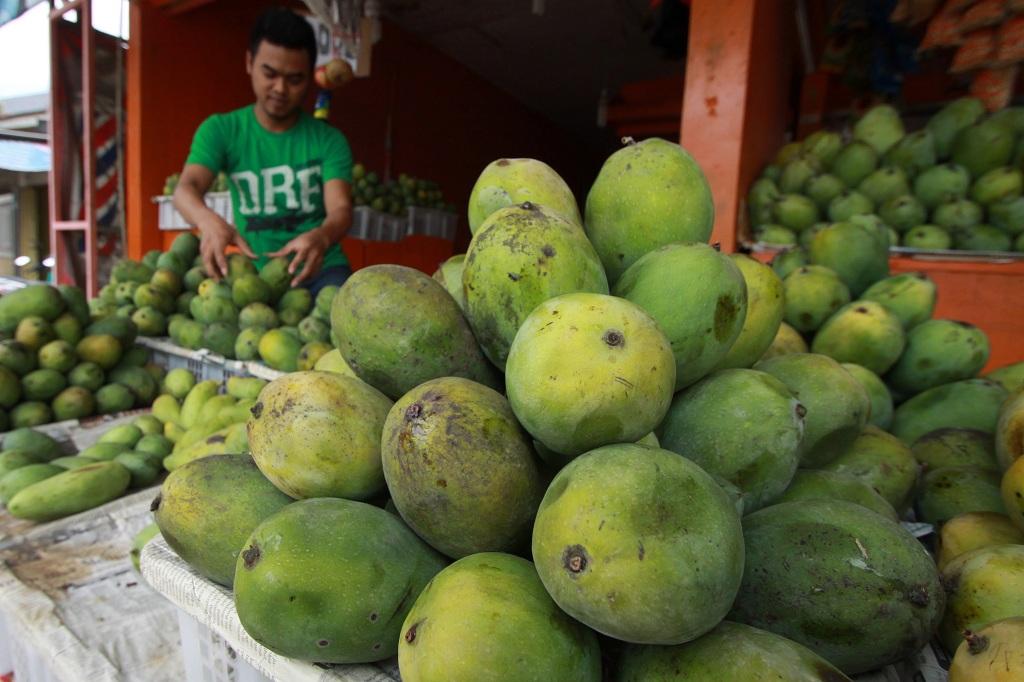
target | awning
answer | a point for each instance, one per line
(24, 157)
(12, 9)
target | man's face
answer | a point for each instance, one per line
(280, 78)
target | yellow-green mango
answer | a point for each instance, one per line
(14, 481)
(331, 580)
(586, 370)
(1012, 490)
(507, 182)
(450, 633)
(70, 492)
(297, 428)
(207, 508)
(878, 392)
(1010, 376)
(520, 256)
(995, 653)
(647, 194)
(625, 525)
(1009, 437)
(765, 308)
(973, 530)
(982, 586)
(851, 585)
(460, 469)
(449, 274)
(192, 405)
(786, 342)
(732, 651)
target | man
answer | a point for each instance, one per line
(290, 173)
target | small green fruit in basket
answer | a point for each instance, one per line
(88, 375)
(140, 540)
(795, 212)
(823, 188)
(275, 273)
(167, 281)
(73, 402)
(914, 153)
(823, 145)
(250, 288)
(854, 162)
(102, 349)
(931, 237)
(1008, 216)
(57, 355)
(981, 238)
(862, 332)
(998, 185)
(179, 382)
(186, 245)
(42, 384)
(942, 184)
(280, 350)
(68, 328)
(982, 147)
(903, 212)
(776, 235)
(880, 127)
(247, 343)
(849, 204)
(797, 173)
(150, 321)
(239, 265)
(114, 398)
(884, 184)
(258, 315)
(34, 332)
(951, 119)
(173, 262)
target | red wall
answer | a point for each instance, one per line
(447, 122)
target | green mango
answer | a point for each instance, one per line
(878, 392)
(38, 300)
(982, 147)
(593, 538)
(245, 387)
(819, 484)
(882, 461)
(397, 328)
(942, 185)
(776, 235)
(448, 273)
(950, 120)
(342, 575)
(998, 185)
(797, 173)
(880, 127)
(811, 294)
(903, 212)
(946, 492)
(909, 296)
(70, 492)
(688, 289)
(981, 238)
(710, 424)
(788, 260)
(14, 481)
(73, 402)
(914, 153)
(732, 651)
(858, 254)
(848, 204)
(982, 586)
(822, 189)
(884, 184)
(37, 444)
(837, 404)
(797, 551)
(939, 352)
(1008, 216)
(930, 237)
(823, 145)
(956, 448)
(854, 162)
(795, 212)
(31, 413)
(967, 404)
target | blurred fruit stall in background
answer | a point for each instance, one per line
(803, 71)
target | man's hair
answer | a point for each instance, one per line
(282, 27)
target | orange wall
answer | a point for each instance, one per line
(447, 122)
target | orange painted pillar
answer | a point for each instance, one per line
(736, 104)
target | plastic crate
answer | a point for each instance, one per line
(204, 364)
(376, 226)
(209, 658)
(170, 219)
(432, 222)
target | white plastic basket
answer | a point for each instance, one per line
(377, 226)
(170, 219)
(209, 658)
(432, 222)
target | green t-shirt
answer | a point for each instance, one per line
(276, 179)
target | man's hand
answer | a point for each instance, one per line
(217, 235)
(308, 249)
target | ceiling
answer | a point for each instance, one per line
(556, 61)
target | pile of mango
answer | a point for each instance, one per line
(58, 362)
(584, 449)
(956, 183)
(39, 482)
(249, 315)
(395, 196)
